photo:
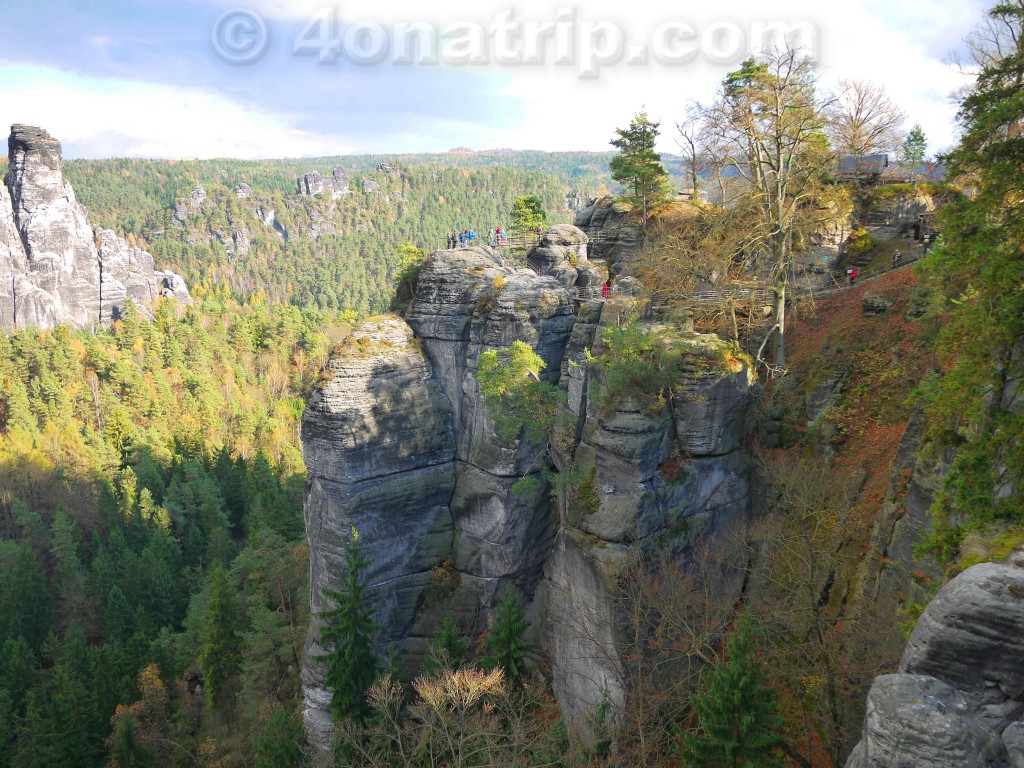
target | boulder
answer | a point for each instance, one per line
(917, 721)
(971, 635)
(959, 697)
(1013, 740)
(875, 303)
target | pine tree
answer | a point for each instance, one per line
(126, 751)
(220, 658)
(279, 743)
(737, 715)
(977, 272)
(507, 639)
(527, 215)
(447, 649)
(638, 166)
(914, 148)
(348, 632)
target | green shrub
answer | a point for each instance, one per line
(861, 246)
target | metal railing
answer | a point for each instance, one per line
(527, 242)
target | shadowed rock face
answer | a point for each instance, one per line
(613, 234)
(51, 270)
(958, 699)
(642, 508)
(379, 445)
(399, 444)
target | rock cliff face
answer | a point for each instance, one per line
(958, 698)
(613, 233)
(399, 444)
(54, 268)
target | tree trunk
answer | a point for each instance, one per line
(780, 320)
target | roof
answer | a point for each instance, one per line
(851, 164)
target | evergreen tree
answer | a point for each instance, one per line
(447, 649)
(348, 632)
(507, 639)
(638, 166)
(24, 599)
(527, 215)
(977, 272)
(914, 148)
(279, 743)
(126, 750)
(737, 715)
(221, 655)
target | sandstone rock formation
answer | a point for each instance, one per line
(562, 254)
(875, 303)
(958, 699)
(311, 183)
(54, 268)
(399, 444)
(613, 233)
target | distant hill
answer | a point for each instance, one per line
(332, 251)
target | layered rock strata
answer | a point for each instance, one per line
(54, 268)
(958, 696)
(399, 445)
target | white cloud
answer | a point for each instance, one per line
(897, 44)
(150, 120)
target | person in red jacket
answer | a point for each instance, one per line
(853, 276)
(605, 290)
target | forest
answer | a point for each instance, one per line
(333, 254)
(151, 517)
(154, 572)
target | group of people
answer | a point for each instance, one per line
(466, 238)
(461, 239)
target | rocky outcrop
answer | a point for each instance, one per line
(54, 268)
(916, 721)
(311, 183)
(875, 303)
(666, 476)
(399, 444)
(379, 444)
(613, 233)
(958, 698)
(562, 254)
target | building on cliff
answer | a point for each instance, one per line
(54, 267)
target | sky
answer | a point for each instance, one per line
(294, 78)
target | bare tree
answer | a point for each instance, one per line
(691, 145)
(995, 38)
(765, 139)
(863, 120)
(796, 586)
